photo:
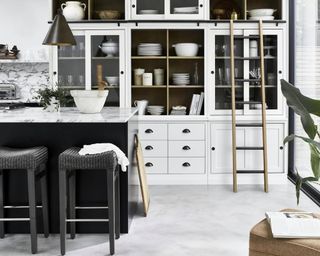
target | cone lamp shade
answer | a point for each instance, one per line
(59, 33)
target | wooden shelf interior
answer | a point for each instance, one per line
(93, 6)
(242, 6)
(168, 95)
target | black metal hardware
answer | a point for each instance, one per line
(186, 148)
(55, 72)
(249, 148)
(281, 148)
(212, 72)
(249, 171)
(249, 125)
(133, 6)
(186, 164)
(148, 148)
(201, 5)
(148, 131)
(280, 72)
(213, 148)
(122, 72)
(248, 102)
(186, 131)
(149, 164)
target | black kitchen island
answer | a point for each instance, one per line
(31, 127)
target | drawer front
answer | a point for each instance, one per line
(156, 165)
(186, 165)
(186, 131)
(153, 132)
(186, 149)
(154, 148)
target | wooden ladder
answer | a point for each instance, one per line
(235, 148)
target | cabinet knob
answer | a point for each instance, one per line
(149, 148)
(149, 164)
(55, 72)
(122, 72)
(212, 72)
(133, 6)
(148, 131)
(281, 148)
(186, 164)
(201, 5)
(280, 72)
(186, 131)
(186, 148)
(213, 148)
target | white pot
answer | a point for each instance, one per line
(89, 102)
(73, 10)
(109, 48)
(186, 49)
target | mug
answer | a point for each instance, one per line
(142, 106)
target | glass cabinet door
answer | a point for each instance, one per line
(223, 73)
(71, 65)
(186, 9)
(148, 9)
(106, 64)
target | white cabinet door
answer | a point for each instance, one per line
(221, 153)
(148, 9)
(185, 9)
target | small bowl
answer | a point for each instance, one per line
(186, 49)
(261, 12)
(89, 102)
(109, 15)
(112, 80)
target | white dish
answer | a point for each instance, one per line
(146, 12)
(186, 9)
(262, 18)
(112, 80)
(186, 49)
(89, 101)
(261, 12)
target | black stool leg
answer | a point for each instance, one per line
(72, 203)
(111, 209)
(117, 203)
(32, 209)
(44, 199)
(62, 198)
(1, 205)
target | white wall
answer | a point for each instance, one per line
(25, 23)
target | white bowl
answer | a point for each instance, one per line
(112, 80)
(186, 49)
(89, 102)
(262, 18)
(261, 12)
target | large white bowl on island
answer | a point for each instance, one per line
(89, 102)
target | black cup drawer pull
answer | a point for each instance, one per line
(186, 131)
(186, 164)
(149, 164)
(149, 148)
(186, 148)
(149, 131)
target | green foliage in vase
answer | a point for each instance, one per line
(304, 107)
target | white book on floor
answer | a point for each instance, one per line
(294, 224)
(194, 104)
(200, 103)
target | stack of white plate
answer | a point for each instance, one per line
(155, 110)
(186, 10)
(149, 49)
(148, 12)
(181, 78)
(261, 14)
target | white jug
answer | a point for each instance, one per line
(73, 10)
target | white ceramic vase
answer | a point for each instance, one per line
(73, 10)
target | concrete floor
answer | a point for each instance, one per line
(183, 220)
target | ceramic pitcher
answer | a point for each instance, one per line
(73, 10)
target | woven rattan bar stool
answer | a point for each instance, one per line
(33, 160)
(69, 162)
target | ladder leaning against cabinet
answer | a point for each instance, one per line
(235, 148)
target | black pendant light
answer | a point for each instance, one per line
(59, 32)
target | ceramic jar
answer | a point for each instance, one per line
(73, 10)
(159, 76)
(138, 73)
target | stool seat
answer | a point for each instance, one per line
(262, 243)
(29, 158)
(71, 159)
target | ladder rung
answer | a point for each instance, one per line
(87, 220)
(247, 80)
(249, 125)
(249, 102)
(246, 37)
(249, 171)
(249, 148)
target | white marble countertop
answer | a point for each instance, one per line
(66, 115)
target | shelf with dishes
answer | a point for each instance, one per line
(179, 82)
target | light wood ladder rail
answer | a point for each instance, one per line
(235, 148)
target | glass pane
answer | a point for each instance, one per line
(71, 64)
(150, 7)
(223, 72)
(271, 72)
(184, 7)
(307, 70)
(105, 66)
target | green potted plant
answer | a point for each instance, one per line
(304, 107)
(52, 98)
